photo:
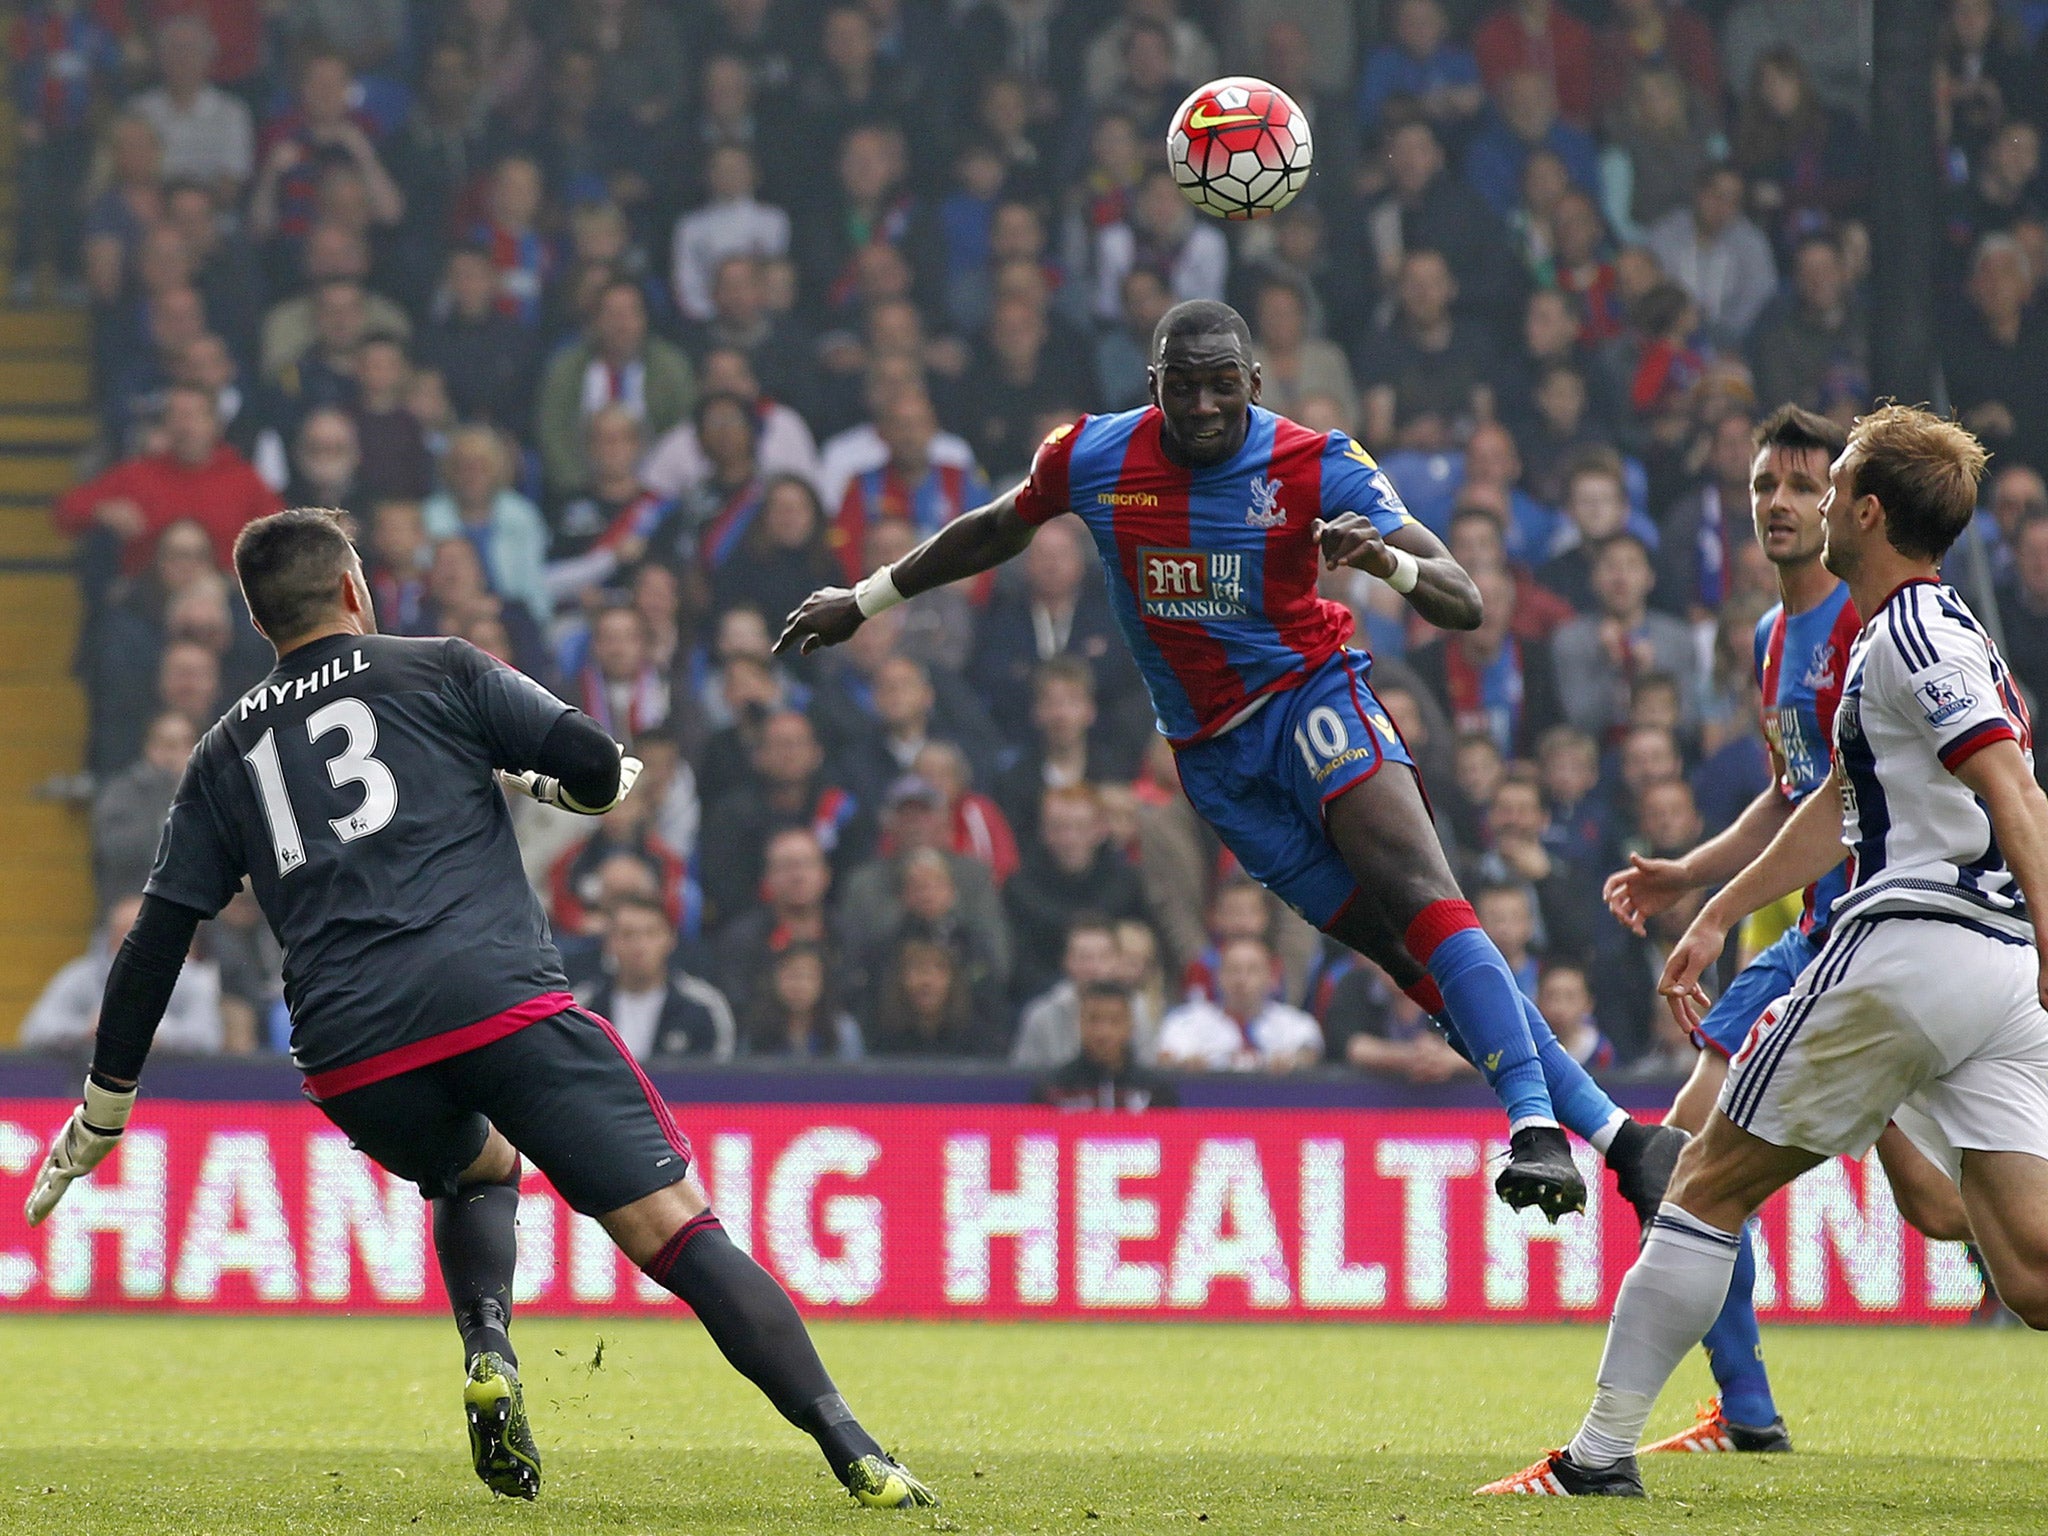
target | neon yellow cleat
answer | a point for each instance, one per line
(500, 1439)
(879, 1482)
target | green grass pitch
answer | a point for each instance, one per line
(172, 1426)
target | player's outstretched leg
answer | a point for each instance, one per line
(755, 1325)
(1383, 832)
(475, 1240)
(1744, 1417)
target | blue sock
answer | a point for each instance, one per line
(1735, 1348)
(1582, 1105)
(1481, 996)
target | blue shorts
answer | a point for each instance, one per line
(1758, 985)
(1263, 786)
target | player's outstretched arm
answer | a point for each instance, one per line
(139, 986)
(973, 542)
(1806, 847)
(1651, 886)
(1411, 560)
(1998, 775)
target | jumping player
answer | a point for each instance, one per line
(1925, 1004)
(358, 788)
(1210, 515)
(1802, 652)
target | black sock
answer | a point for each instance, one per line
(1627, 1146)
(756, 1326)
(475, 1240)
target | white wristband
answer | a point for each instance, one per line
(1407, 571)
(876, 593)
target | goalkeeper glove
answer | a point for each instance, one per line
(89, 1135)
(549, 791)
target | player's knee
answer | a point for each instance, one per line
(498, 1163)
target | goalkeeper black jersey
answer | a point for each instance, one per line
(356, 788)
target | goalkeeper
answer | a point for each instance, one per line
(358, 789)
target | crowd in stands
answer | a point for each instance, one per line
(617, 326)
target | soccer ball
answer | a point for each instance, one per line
(1239, 148)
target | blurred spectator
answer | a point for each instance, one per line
(1542, 38)
(1993, 356)
(321, 132)
(1294, 363)
(1245, 1029)
(659, 1013)
(1832, 38)
(64, 65)
(795, 880)
(121, 206)
(1427, 373)
(1508, 914)
(480, 505)
(1656, 150)
(484, 355)
(1524, 122)
(459, 595)
(69, 1009)
(783, 444)
(504, 54)
(913, 484)
(523, 259)
(1803, 160)
(1490, 680)
(1566, 1003)
(870, 204)
(207, 134)
(197, 478)
(336, 321)
(438, 155)
(731, 224)
(1069, 869)
(1427, 207)
(1523, 850)
(2003, 191)
(1422, 66)
(396, 461)
(1164, 233)
(327, 461)
(616, 363)
(1596, 507)
(1812, 347)
(2016, 492)
(782, 556)
(619, 686)
(797, 1014)
(1600, 655)
(129, 810)
(582, 904)
(1060, 752)
(925, 1005)
(252, 1011)
(789, 788)
(873, 906)
(1048, 1030)
(1655, 34)
(395, 562)
(1104, 1072)
(979, 829)
(2023, 604)
(1717, 255)
(1707, 525)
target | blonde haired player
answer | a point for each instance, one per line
(1925, 1006)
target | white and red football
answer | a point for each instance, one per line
(1239, 148)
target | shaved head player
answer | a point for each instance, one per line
(357, 787)
(1211, 516)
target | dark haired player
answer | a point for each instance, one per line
(358, 788)
(1211, 516)
(1802, 660)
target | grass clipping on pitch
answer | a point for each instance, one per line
(162, 1425)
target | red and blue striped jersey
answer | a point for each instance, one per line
(1212, 574)
(1801, 660)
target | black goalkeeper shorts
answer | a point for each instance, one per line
(565, 1091)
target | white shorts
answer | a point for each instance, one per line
(1939, 1016)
